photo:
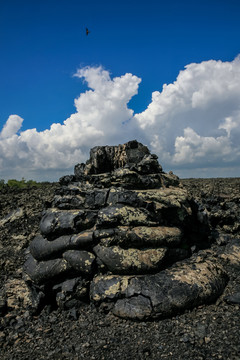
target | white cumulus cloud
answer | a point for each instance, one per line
(192, 124)
(11, 127)
(98, 120)
(196, 119)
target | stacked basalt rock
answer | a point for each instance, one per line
(121, 233)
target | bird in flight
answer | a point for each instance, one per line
(87, 31)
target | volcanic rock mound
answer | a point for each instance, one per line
(121, 233)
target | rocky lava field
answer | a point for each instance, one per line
(208, 331)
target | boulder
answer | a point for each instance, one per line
(140, 236)
(81, 261)
(130, 261)
(164, 294)
(41, 248)
(121, 230)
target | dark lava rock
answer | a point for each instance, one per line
(22, 208)
(83, 331)
(121, 220)
(182, 286)
(219, 199)
(233, 299)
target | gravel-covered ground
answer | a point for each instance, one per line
(208, 332)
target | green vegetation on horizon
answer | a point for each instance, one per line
(21, 184)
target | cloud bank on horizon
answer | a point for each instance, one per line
(193, 124)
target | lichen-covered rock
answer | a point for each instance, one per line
(131, 261)
(17, 296)
(115, 227)
(231, 254)
(82, 261)
(124, 215)
(140, 236)
(182, 286)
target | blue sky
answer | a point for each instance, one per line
(43, 44)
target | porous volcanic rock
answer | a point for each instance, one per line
(120, 232)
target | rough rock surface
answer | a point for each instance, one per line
(182, 286)
(20, 214)
(113, 235)
(206, 332)
(219, 200)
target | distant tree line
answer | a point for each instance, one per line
(21, 184)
